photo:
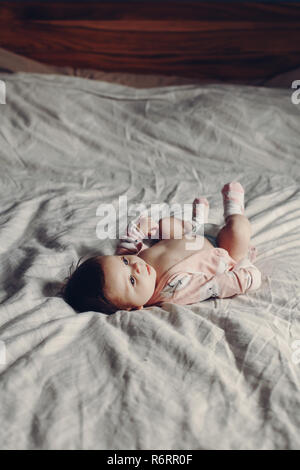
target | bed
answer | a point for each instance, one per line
(220, 374)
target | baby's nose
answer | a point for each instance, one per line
(137, 267)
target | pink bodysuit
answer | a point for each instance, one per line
(199, 276)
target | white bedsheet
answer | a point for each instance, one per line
(221, 374)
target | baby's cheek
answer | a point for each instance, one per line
(145, 291)
(151, 288)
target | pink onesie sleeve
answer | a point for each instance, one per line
(237, 281)
(188, 288)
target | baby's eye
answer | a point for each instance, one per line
(125, 261)
(132, 280)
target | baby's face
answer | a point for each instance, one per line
(129, 281)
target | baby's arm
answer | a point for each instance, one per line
(132, 241)
(171, 227)
(166, 229)
(196, 287)
(243, 278)
(145, 227)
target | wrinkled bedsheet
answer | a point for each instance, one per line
(221, 374)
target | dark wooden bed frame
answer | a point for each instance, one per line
(226, 41)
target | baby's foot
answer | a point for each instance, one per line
(200, 210)
(233, 199)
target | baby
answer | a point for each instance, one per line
(170, 271)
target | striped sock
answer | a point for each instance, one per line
(233, 199)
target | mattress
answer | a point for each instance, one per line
(220, 374)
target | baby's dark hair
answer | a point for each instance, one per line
(83, 289)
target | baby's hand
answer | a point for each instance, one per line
(147, 226)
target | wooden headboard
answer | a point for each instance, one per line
(208, 40)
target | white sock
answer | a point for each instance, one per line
(233, 199)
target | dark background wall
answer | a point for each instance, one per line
(230, 41)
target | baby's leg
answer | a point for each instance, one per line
(171, 227)
(235, 236)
